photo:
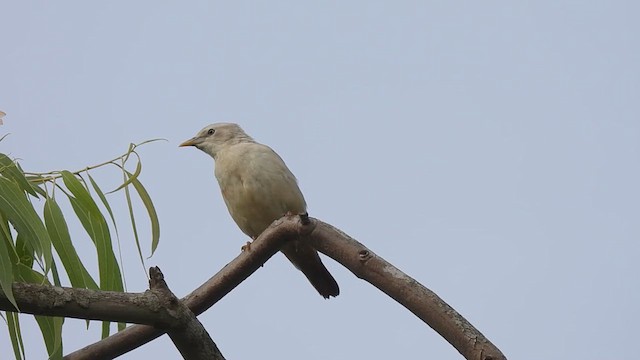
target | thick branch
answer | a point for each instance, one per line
(157, 307)
(139, 308)
(187, 333)
(201, 299)
(421, 301)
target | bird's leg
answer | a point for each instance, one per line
(247, 246)
(304, 219)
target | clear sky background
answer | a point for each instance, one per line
(489, 149)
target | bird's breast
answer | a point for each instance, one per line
(257, 188)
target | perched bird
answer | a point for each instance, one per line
(258, 188)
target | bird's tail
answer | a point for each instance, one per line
(307, 260)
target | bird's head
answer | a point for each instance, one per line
(216, 137)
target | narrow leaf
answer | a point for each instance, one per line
(103, 198)
(25, 220)
(109, 272)
(104, 202)
(96, 226)
(6, 235)
(50, 327)
(132, 146)
(9, 170)
(13, 324)
(24, 252)
(151, 210)
(55, 275)
(105, 329)
(6, 269)
(33, 185)
(59, 233)
(131, 178)
(133, 224)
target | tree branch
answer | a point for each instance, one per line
(139, 308)
(204, 296)
(187, 333)
(157, 307)
(421, 301)
(366, 265)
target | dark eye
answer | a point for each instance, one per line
(211, 131)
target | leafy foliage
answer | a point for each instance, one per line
(30, 243)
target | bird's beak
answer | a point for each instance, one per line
(191, 142)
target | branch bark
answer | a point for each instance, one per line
(139, 308)
(204, 296)
(422, 302)
(187, 333)
(158, 307)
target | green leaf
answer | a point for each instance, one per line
(96, 226)
(34, 187)
(104, 202)
(108, 269)
(25, 220)
(105, 329)
(133, 223)
(6, 269)
(151, 210)
(51, 327)
(6, 237)
(55, 275)
(9, 170)
(132, 146)
(131, 178)
(24, 252)
(13, 325)
(59, 233)
(103, 198)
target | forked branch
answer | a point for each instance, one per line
(366, 265)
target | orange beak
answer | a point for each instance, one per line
(191, 142)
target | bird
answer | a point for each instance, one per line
(258, 188)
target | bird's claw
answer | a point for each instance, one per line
(246, 247)
(304, 219)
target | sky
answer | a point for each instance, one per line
(488, 149)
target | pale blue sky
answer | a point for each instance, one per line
(488, 149)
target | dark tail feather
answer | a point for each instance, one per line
(307, 260)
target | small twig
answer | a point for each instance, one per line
(52, 175)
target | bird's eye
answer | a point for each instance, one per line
(211, 131)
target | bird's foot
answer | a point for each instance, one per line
(304, 219)
(246, 247)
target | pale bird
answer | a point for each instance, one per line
(258, 188)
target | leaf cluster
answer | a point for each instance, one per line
(36, 245)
